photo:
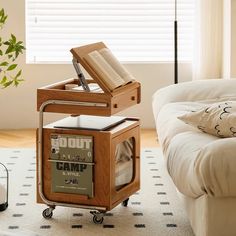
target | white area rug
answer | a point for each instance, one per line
(154, 211)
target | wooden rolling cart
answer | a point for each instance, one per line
(105, 193)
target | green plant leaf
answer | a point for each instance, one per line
(5, 63)
(12, 67)
(16, 54)
(16, 82)
(4, 80)
(19, 43)
(18, 74)
(3, 17)
(9, 49)
(7, 84)
(13, 37)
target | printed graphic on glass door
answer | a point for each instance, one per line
(72, 164)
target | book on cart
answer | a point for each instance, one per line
(98, 60)
(109, 69)
(72, 164)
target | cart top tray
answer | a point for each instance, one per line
(105, 103)
(88, 103)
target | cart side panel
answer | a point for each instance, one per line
(118, 196)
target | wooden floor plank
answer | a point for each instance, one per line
(17, 138)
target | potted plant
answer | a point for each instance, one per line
(9, 51)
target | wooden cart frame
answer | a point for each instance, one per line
(54, 98)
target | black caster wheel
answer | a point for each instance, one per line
(47, 213)
(97, 219)
(125, 202)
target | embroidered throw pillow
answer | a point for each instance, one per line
(218, 119)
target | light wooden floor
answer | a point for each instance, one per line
(26, 138)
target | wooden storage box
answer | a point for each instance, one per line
(106, 194)
(99, 104)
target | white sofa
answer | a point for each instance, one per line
(202, 166)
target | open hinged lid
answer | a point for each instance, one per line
(104, 68)
(117, 95)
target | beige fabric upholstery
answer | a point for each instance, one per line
(167, 123)
(210, 216)
(202, 166)
(199, 90)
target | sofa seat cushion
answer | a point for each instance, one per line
(203, 164)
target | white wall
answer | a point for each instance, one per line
(233, 38)
(229, 60)
(18, 105)
(227, 39)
